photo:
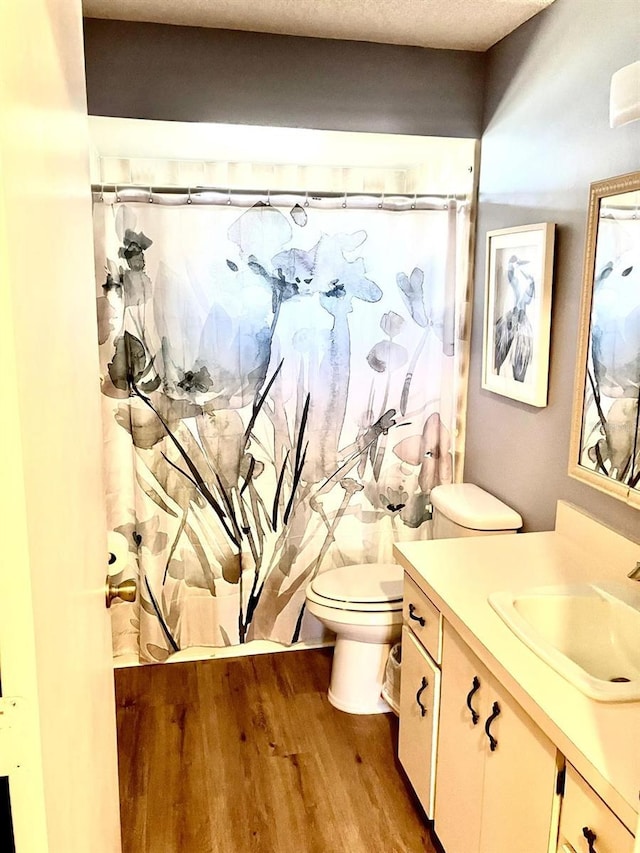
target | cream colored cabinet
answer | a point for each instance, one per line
(461, 749)
(587, 825)
(420, 691)
(496, 771)
(419, 705)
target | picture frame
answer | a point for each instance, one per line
(605, 429)
(517, 312)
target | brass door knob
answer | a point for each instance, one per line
(127, 591)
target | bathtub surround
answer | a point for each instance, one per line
(280, 388)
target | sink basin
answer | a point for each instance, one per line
(589, 633)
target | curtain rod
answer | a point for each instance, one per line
(219, 195)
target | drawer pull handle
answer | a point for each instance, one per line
(421, 689)
(419, 619)
(492, 741)
(476, 686)
(590, 835)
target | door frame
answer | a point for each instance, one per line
(58, 735)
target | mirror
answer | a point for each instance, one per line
(605, 435)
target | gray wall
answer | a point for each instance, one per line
(546, 139)
(155, 71)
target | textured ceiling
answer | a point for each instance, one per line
(455, 24)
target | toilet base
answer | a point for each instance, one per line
(380, 707)
(357, 676)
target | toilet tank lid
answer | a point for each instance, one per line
(368, 582)
(473, 508)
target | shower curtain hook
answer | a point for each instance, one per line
(189, 199)
(415, 201)
(117, 196)
(150, 195)
(268, 198)
(101, 192)
(229, 196)
(381, 202)
(344, 203)
(306, 199)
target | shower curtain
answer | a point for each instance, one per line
(280, 384)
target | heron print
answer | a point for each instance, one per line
(513, 331)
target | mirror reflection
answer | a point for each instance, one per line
(606, 420)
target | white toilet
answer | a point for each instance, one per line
(362, 604)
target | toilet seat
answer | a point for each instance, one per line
(374, 587)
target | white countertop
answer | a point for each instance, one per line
(602, 740)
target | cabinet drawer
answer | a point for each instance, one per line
(582, 809)
(423, 617)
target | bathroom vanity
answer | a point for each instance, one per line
(505, 753)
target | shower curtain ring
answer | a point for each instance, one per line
(117, 196)
(306, 199)
(189, 199)
(415, 199)
(344, 203)
(150, 195)
(381, 202)
(268, 198)
(101, 192)
(229, 196)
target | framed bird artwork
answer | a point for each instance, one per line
(517, 312)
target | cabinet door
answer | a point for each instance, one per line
(584, 815)
(489, 800)
(461, 747)
(519, 781)
(419, 701)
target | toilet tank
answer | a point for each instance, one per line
(463, 509)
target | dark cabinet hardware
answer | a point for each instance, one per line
(470, 695)
(590, 835)
(421, 690)
(495, 712)
(419, 619)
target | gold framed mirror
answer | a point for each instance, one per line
(605, 432)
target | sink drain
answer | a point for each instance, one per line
(620, 679)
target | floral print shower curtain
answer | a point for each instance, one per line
(279, 388)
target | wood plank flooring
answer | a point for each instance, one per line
(246, 755)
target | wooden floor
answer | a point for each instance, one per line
(246, 754)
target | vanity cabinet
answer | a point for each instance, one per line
(587, 825)
(496, 771)
(485, 773)
(420, 692)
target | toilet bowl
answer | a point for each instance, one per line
(363, 605)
